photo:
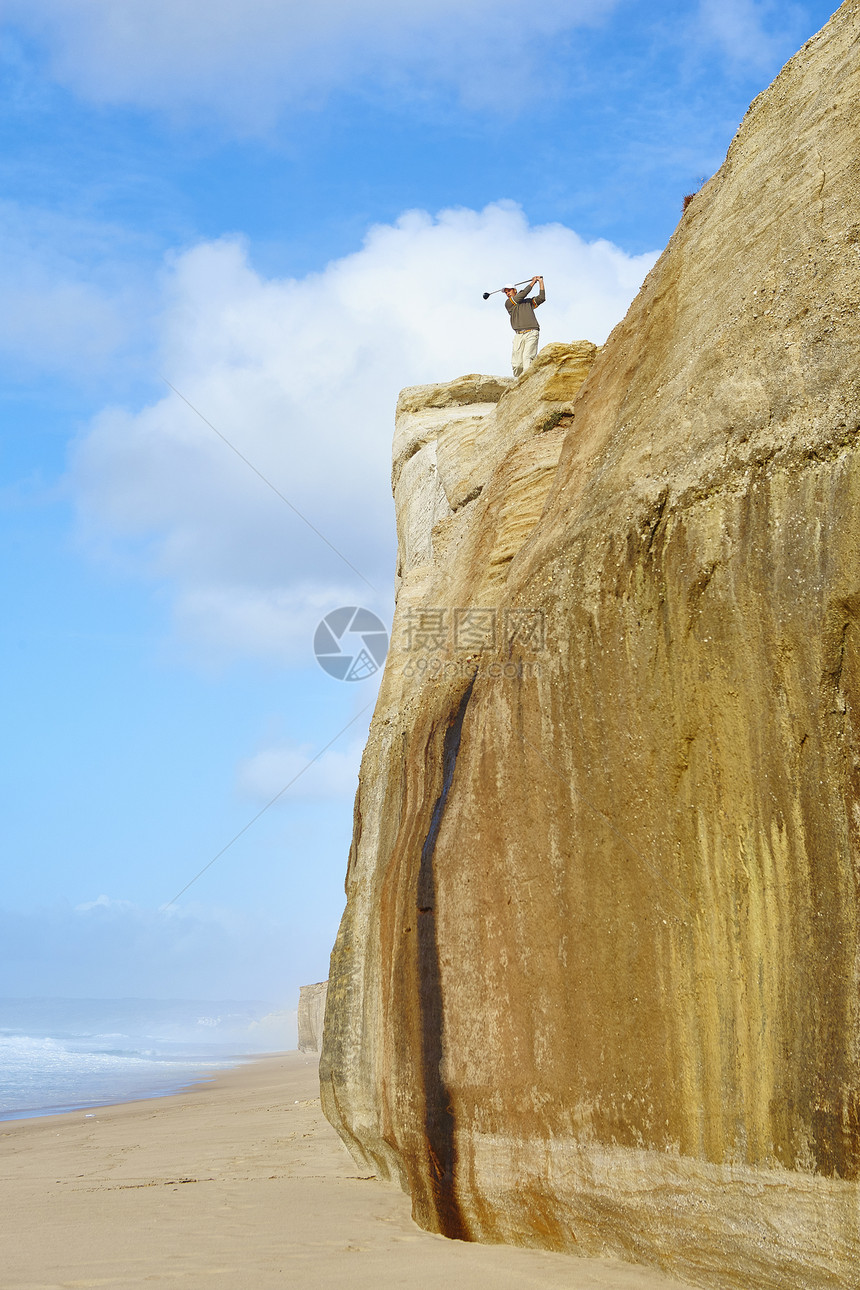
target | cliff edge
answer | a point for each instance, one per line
(596, 984)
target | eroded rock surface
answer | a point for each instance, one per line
(311, 1015)
(597, 986)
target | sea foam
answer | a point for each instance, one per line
(66, 1054)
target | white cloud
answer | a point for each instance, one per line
(246, 59)
(752, 33)
(302, 377)
(69, 302)
(334, 775)
(274, 622)
(103, 902)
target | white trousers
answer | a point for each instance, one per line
(525, 348)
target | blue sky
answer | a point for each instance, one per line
(288, 213)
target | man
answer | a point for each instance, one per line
(524, 323)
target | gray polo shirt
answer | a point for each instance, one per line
(522, 311)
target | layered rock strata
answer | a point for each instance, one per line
(597, 985)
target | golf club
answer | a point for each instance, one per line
(487, 294)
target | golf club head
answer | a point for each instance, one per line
(486, 295)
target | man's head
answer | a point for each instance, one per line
(510, 290)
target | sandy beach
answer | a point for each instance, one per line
(235, 1184)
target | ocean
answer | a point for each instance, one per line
(72, 1054)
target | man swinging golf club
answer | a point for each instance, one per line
(526, 326)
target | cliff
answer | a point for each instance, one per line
(596, 985)
(311, 1015)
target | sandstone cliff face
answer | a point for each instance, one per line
(597, 986)
(311, 1015)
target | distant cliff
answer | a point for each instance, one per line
(311, 1015)
(597, 985)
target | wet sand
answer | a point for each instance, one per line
(235, 1184)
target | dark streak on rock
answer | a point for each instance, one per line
(470, 497)
(439, 1121)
